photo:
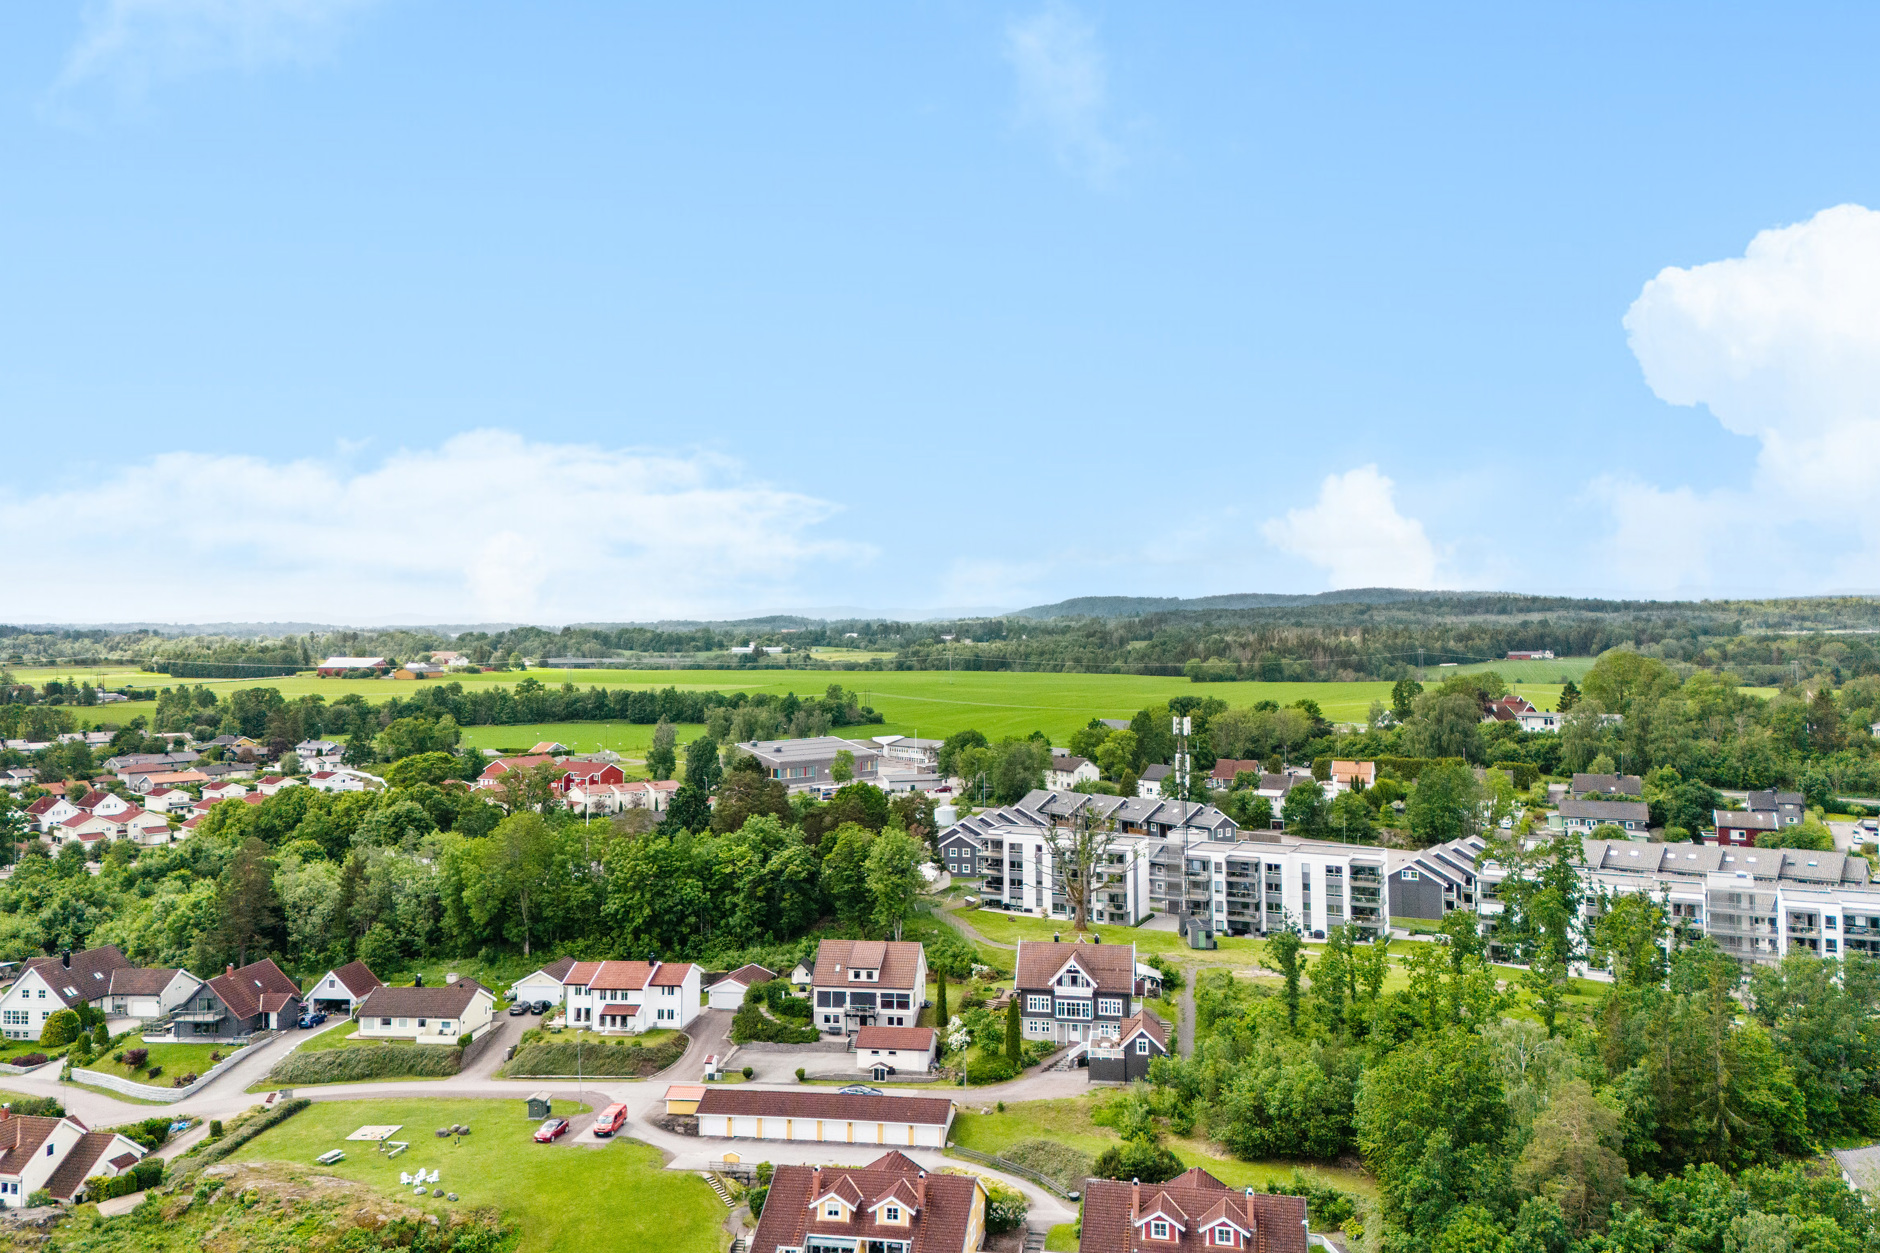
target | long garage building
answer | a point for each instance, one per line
(834, 1117)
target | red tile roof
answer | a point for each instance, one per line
(1197, 1201)
(894, 1038)
(897, 960)
(20, 1138)
(933, 1111)
(671, 975)
(1112, 967)
(242, 990)
(88, 978)
(356, 977)
(939, 1206)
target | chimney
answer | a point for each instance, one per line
(6, 1112)
(229, 970)
(418, 982)
(65, 959)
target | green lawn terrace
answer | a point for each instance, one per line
(561, 1198)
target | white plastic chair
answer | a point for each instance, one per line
(404, 1177)
(433, 1174)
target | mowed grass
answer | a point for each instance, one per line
(1068, 1121)
(629, 739)
(562, 1198)
(176, 1059)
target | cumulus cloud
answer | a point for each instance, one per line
(1781, 345)
(489, 526)
(1063, 88)
(133, 45)
(1356, 535)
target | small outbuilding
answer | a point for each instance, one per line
(541, 1105)
(340, 990)
(683, 1098)
(902, 1049)
(728, 992)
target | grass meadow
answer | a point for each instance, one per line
(930, 703)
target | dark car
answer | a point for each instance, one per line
(552, 1130)
(306, 1020)
(542, 1007)
(319, 1016)
(519, 1008)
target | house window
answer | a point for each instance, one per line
(1224, 1235)
(1158, 1230)
(1073, 1009)
(385, 1022)
(1038, 1004)
(1142, 1045)
(444, 1027)
(1110, 1007)
(1410, 876)
(832, 1210)
(420, 1024)
(891, 1213)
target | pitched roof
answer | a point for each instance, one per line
(241, 990)
(1199, 1202)
(799, 1103)
(1752, 820)
(1609, 811)
(447, 1000)
(557, 969)
(1112, 967)
(140, 981)
(20, 1138)
(1228, 767)
(629, 976)
(939, 1206)
(1146, 1023)
(670, 975)
(895, 1038)
(1610, 784)
(70, 1175)
(88, 978)
(748, 975)
(897, 960)
(356, 977)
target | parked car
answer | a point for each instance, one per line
(319, 1016)
(552, 1130)
(611, 1120)
(520, 1008)
(542, 1007)
(306, 1020)
(860, 1089)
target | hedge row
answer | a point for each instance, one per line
(250, 1129)
(373, 1061)
(1523, 774)
(145, 1174)
(624, 1060)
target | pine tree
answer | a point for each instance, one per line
(1011, 1031)
(940, 1018)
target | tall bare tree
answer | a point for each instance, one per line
(1080, 854)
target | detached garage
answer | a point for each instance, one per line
(901, 1049)
(829, 1117)
(728, 992)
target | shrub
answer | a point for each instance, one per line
(30, 1059)
(989, 1070)
(801, 1074)
(36, 1106)
(1065, 1166)
(1140, 1158)
(100, 1038)
(463, 1041)
(752, 1026)
(755, 1199)
(1330, 1207)
(215, 1128)
(255, 1126)
(151, 1133)
(748, 1072)
(1005, 1206)
(61, 1029)
(153, 1072)
(39, 1197)
(135, 1058)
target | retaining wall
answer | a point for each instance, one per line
(150, 1092)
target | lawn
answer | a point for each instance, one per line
(1007, 928)
(1067, 1121)
(563, 1198)
(176, 1060)
(336, 1038)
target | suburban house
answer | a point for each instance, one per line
(1149, 782)
(959, 851)
(1194, 1210)
(864, 983)
(1582, 816)
(1066, 772)
(340, 990)
(807, 763)
(631, 996)
(728, 992)
(57, 1155)
(889, 1204)
(142, 763)
(841, 1117)
(1507, 709)
(1539, 720)
(493, 774)
(103, 804)
(1741, 829)
(269, 784)
(544, 984)
(100, 977)
(1789, 807)
(1532, 654)
(1226, 769)
(164, 800)
(88, 829)
(1142, 1038)
(1616, 787)
(334, 667)
(1347, 775)
(615, 798)
(336, 781)
(163, 780)
(236, 1003)
(49, 811)
(1074, 992)
(909, 1049)
(225, 790)
(424, 1015)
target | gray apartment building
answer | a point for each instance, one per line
(804, 764)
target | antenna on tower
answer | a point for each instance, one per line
(1181, 726)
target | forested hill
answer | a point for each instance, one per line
(1142, 606)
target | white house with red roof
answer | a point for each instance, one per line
(49, 811)
(103, 804)
(336, 781)
(226, 790)
(905, 1050)
(269, 784)
(165, 800)
(631, 996)
(89, 829)
(56, 1155)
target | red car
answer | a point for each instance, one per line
(551, 1131)
(612, 1119)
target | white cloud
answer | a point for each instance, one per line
(1782, 345)
(1355, 534)
(489, 526)
(133, 45)
(1063, 88)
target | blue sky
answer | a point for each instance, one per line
(398, 310)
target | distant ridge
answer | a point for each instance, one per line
(1137, 606)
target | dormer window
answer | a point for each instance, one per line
(1158, 1230)
(1224, 1236)
(890, 1213)
(833, 1210)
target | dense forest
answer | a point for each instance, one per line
(1378, 635)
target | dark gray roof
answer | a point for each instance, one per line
(1606, 811)
(1608, 784)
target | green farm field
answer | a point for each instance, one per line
(931, 703)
